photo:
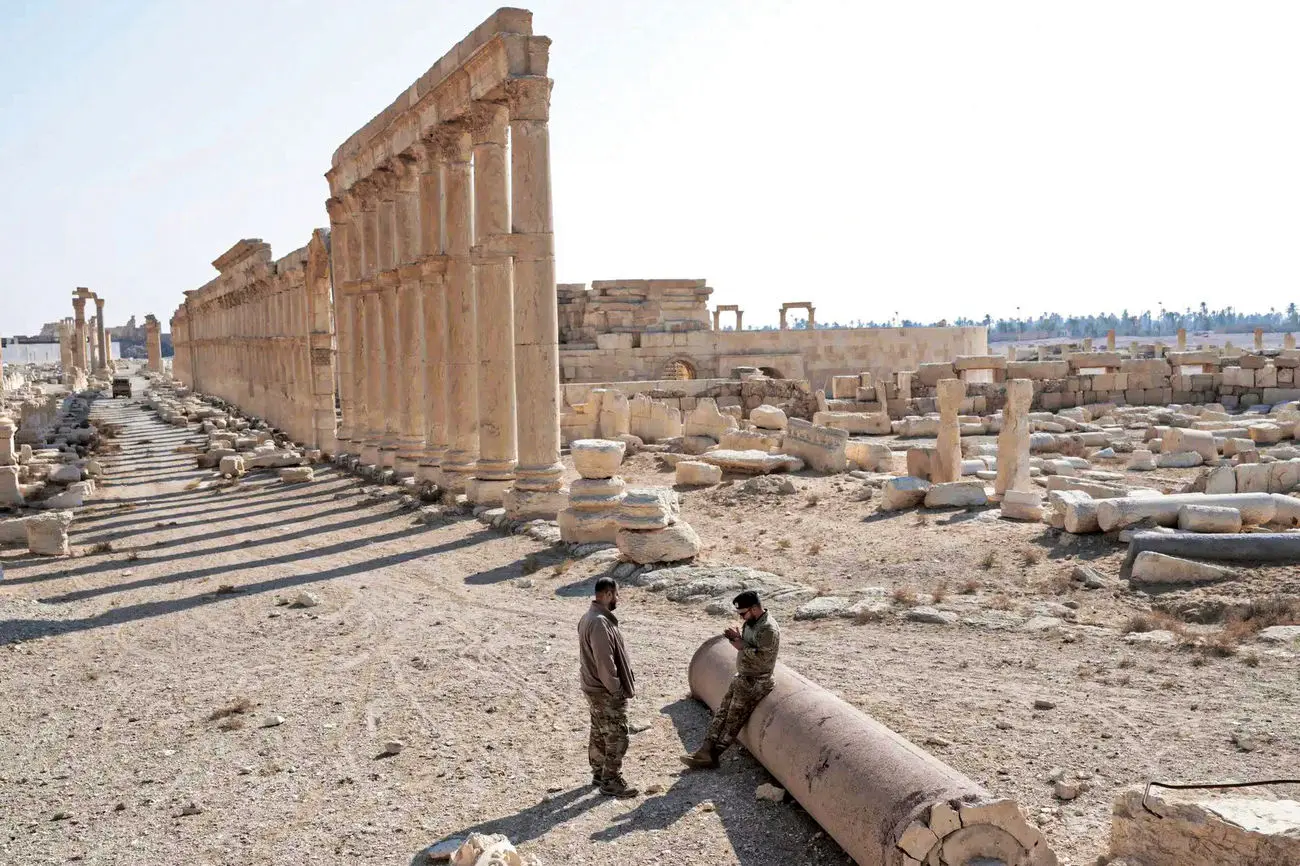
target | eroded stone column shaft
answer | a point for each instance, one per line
(462, 319)
(950, 393)
(1013, 439)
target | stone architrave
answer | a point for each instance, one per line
(822, 448)
(1013, 439)
(947, 456)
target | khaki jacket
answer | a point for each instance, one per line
(603, 662)
(762, 641)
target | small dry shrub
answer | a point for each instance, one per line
(531, 564)
(814, 548)
(1000, 602)
(561, 567)
(940, 592)
(1250, 659)
(867, 616)
(1155, 620)
(1198, 660)
(969, 586)
(738, 548)
(990, 559)
(812, 500)
(230, 723)
(1125, 662)
(1060, 584)
(904, 595)
(1031, 556)
(784, 544)
(921, 519)
(100, 547)
(1122, 680)
(237, 707)
(193, 485)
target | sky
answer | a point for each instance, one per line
(879, 159)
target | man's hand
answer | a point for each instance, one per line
(731, 634)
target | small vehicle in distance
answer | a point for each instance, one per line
(121, 386)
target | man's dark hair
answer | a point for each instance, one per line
(605, 584)
(748, 598)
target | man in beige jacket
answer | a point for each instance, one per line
(608, 682)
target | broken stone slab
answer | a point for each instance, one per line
(869, 456)
(47, 534)
(930, 615)
(68, 473)
(767, 417)
(273, 460)
(956, 494)
(14, 530)
(297, 474)
(597, 458)
(868, 423)
(907, 491)
(1142, 460)
(823, 607)
(697, 473)
(1022, 505)
(232, 466)
(1283, 634)
(674, 543)
(1209, 518)
(485, 850)
(821, 448)
(751, 462)
(648, 508)
(1152, 567)
(1179, 460)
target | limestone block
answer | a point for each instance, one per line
(597, 458)
(868, 423)
(1252, 477)
(844, 387)
(47, 534)
(1180, 460)
(1022, 505)
(10, 492)
(956, 494)
(1265, 433)
(1152, 567)
(707, 420)
(1200, 828)
(14, 530)
(931, 373)
(752, 462)
(272, 459)
(1233, 446)
(871, 456)
(648, 508)
(232, 466)
(916, 425)
(749, 440)
(1221, 479)
(1201, 441)
(1074, 510)
(484, 850)
(65, 474)
(579, 527)
(1283, 476)
(695, 473)
(767, 417)
(1209, 518)
(672, 544)
(821, 448)
(904, 492)
(615, 418)
(296, 474)
(946, 464)
(1141, 460)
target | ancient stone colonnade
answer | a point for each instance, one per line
(443, 277)
(89, 340)
(259, 335)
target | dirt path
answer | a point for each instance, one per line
(115, 661)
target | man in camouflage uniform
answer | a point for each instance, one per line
(608, 682)
(757, 643)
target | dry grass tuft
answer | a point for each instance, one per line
(940, 592)
(784, 544)
(1031, 556)
(561, 567)
(531, 564)
(193, 485)
(1000, 602)
(231, 723)
(812, 500)
(921, 519)
(237, 707)
(1155, 620)
(1250, 659)
(867, 616)
(814, 548)
(100, 547)
(1061, 584)
(904, 595)
(989, 561)
(969, 586)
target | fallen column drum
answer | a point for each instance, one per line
(886, 801)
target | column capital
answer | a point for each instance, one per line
(363, 193)
(406, 170)
(338, 209)
(529, 98)
(451, 141)
(487, 123)
(384, 181)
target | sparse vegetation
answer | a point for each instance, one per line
(100, 547)
(1031, 556)
(1141, 623)
(193, 485)
(866, 615)
(904, 595)
(969, 586)
(814, 548)
(812, 500)
(940, 592)
(561, 567)
(989, 561)
(784, 544)
(921, 519)
(1001, 602)
(531, 563)
(237, 707)
(1250, 659)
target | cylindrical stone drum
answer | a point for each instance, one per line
(886, 801)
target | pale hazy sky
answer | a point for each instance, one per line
(932, 159)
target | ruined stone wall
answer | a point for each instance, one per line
(611, 308)
(259, 335)
(815, 355)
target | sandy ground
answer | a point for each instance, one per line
(115, 661)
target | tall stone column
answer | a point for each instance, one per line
(433, 308)
(79, 334)
(390, 395)
(371, 357)
(345, 261)
(947, 452)
(322, 357)
(65, 345)
(105, 350)
(92, 344)
(1013, 440)
(152, 344)
(1259, 339)
(1110, 340)
(539, 487)
(1182, 340)
(494, 298)
(462, 316)
(410, 443)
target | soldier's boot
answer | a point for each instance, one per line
(616, 786)
(597, 779)
(704, 758)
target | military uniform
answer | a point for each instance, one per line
(608, 682)
(753, 680)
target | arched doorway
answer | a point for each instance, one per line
(679, 369)
(771, 372)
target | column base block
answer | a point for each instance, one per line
(534, 504)
(404, 467)
(486, 491)
(456, 479)
(369, 455)
(388, 456)
(429, 473)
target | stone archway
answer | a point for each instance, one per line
(679, 369)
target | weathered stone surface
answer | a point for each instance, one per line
(822, 448)
(1179, 460)
(1199, 828)
(1152, 567)
(823, 607)
(707, 420)
(13, 530)
(930, 615)
(869, 423)
(956, 494)
(672, 544)
(767, 417)
(904, 492)
(648, 508)
(47, 534)
(1209, 518)
(1022, 505)
(697, 473)
(481, 850)
(232, 466)
(10, 492)
(1141, 460)
(871, 456)
(752, 462)
(597, 458)
(297, 474)
(65, 474)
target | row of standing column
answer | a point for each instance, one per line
(447, 323)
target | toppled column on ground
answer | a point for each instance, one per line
(885, 801)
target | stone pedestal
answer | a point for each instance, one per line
(1013, 439)
(8, 457)
(947, 456)
(595, 499)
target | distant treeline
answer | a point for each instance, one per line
(1145, 324)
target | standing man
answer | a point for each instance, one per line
(757, 643)
(608, 682)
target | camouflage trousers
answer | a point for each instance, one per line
(741, 698)
(607, 743)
